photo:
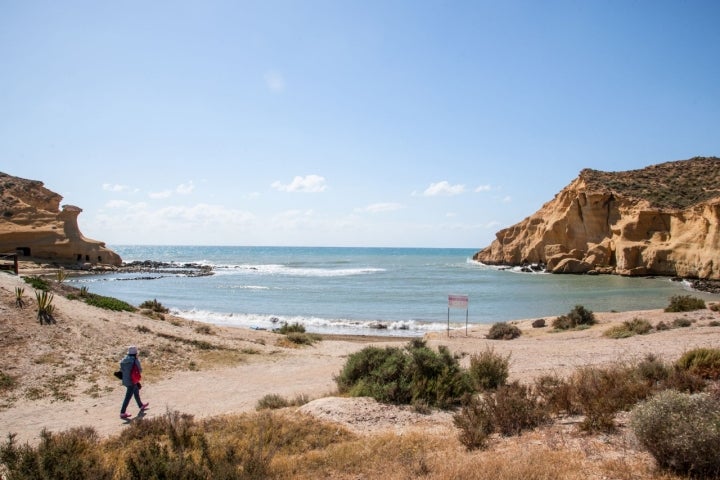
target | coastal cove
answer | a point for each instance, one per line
(365, 291)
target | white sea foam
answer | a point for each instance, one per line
(280, 269)
(313, 324)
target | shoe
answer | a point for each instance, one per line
(145, 406)
(125, 416)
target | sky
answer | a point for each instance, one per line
(380, 123)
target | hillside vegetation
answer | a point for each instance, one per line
(678, 184)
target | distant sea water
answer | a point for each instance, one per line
(378, 291)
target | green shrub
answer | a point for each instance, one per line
(411, 375)
(681, 431)
(503, 331)
(296, 327)
(703, 362)
(37, 283)
(578, 316)
(299, 338)
(662, 326)
(488, 370)
(685, 303)
(155, 306)
(108, 303)
(636, 326)
(272, 401)
(681, 323)
(653, 369)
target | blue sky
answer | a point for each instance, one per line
(345, 123)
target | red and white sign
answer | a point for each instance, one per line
(458, 301)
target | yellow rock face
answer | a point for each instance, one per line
(598, 228)
(33, 225)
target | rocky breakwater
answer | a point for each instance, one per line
(660, 220)
(33, 225)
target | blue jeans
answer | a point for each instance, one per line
(132, 391)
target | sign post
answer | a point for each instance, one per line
(458, 301)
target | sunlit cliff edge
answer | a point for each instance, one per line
(660, 220)
(33, 225)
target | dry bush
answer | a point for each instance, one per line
(503, 331)
(681, 431)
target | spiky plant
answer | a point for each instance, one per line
(84, 292)
(45, 307)
(19, 297)
(60, 275)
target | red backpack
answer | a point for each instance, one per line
(135, 376)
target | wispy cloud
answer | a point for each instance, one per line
(443, 189)
(109, 187)
(506, 199)
(380, 208)
(185, 188)
(275, 81)
(160, 195)
(306, 184)
(483, 188)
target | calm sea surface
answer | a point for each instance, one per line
(352, 290)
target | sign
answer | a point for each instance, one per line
(458, 301)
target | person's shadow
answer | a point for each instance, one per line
(139, 416)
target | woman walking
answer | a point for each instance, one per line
(131, 369)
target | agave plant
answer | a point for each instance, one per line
(84, 292)
(45, 307)
(19, 297)
(61, 275)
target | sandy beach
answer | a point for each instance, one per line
(62, 373)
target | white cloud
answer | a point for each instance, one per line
(483, 188)
(117, 204)
(443, 188)
(451, 214)
(158, 195)
(185, 188)
(108, 187)
(380, 207)
(506, 199)
(274, 81)
(306, 184)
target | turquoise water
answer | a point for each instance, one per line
(350, 290)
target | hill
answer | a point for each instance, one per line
(659, 220)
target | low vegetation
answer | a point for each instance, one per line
(679, 428)
(636, 326)
(685, 303)
(295, 335)
(45, 308)
(108, 303)
(579, 316)
(411, 375)
(503, 331)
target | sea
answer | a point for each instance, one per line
(365, 291)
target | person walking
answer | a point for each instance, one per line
(131, 370)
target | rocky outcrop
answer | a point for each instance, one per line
(33, 225)
(661, 220)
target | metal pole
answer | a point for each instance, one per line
(448, 329)
(466, 320)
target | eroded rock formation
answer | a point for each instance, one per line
(661, 220)
(33, 225)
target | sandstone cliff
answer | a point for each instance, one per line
(660, 220)
(32, 224)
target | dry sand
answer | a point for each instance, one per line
(63, 372)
